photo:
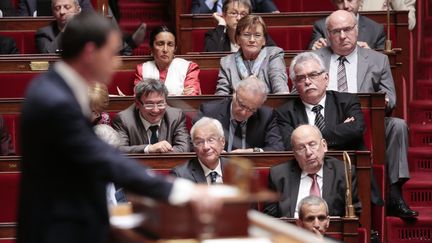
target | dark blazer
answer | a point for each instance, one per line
(285, 179)
(262, 130)
(369, 31)
(338, 107)
(8, 45)
(133, 137)
(66, 167)
(193, 171)
(7, 8)
(48, 38)
(27, 7)
(217, 40)
(258, 6)
(6, 147)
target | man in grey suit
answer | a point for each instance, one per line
(358, 70)
(150, 125)
(208, 141)
(371, 34)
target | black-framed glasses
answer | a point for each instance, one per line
(300, 79)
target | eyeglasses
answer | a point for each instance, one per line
(313, 76)
(243, 106)
(160, 106)
(209, 141)
(248, 36)
(346, 30)
(311, 218)
(301, 149)
(235, 14)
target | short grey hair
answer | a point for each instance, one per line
(206, 121)
(304, 57)
(327, 20)
(253, 85)
(107, 134)
(312, 201)
(76, 2)
(149, 85)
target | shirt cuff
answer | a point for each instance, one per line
(181, 192)
(146, 149)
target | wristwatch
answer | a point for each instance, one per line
(256, 149)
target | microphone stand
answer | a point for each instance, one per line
(349, 208)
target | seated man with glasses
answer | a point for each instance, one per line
(150, 125)
(222, 38)
(253, 58)
(371, 34)
(310, 173)
(248, 125)
(208, 141)
(337, 115)
(313, 215)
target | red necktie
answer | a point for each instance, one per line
(314, 190)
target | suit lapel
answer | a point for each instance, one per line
(163, 131)
(361, 67)
(140, 127)
(328, 179)
(300, 111)
(294, 184)
(197, 171)
(224, 117)
(329, 111)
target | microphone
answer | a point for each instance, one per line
(388, 43)
(349, 208)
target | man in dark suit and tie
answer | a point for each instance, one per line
(310, 173)
(212, 6)
(43, 7)
(208, 141)
(371, 34)
(358, 70)
(150, 125)
(65, 168)
(248, 125)
(338, 115)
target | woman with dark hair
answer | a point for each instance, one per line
(222, 38)
(253, 58)
(179, 75)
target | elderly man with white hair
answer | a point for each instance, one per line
(208, 142)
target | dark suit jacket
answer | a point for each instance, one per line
(338, 107)
(262, 130)
(217, 40)
(7, 8)
(48, 38)
(66, 167)
(6, 147)
(285, 179)
(258, 6)
(8, 45)
(134, 137)
(369, 31)
(27, 7)
(193, 171)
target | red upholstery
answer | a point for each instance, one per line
(367, 136)
(25, 40)
(13, 123)
(362, 235)
(208, 80)
(9, 185)
(378, 212)
(123, 80)
(14, 85)
(291, 38)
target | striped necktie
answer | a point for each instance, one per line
(319, 118)
(341, 75)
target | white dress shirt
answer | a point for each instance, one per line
(350, 69)
(305, 186)
(207, 172)
(310, 114)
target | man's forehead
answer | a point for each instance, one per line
(63, 2)
(308, 64)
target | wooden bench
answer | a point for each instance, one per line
(16, 73)
(9, 167)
